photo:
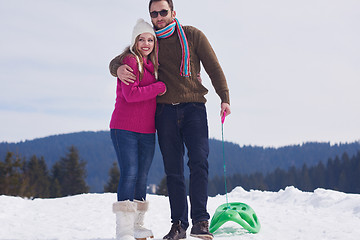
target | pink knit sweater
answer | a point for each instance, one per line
(136, 103)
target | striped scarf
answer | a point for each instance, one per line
(167, 32)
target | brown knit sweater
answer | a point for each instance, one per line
(186, 89)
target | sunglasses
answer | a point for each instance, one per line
(162, 13)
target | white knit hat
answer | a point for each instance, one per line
(141, 27)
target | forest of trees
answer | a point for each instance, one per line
(31, 178)
(340, 174)
(98, 151)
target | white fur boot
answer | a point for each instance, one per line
(125, 216)
(140, 232)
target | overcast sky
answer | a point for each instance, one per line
(293, 67)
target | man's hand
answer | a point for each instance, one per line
(225, 107)
(125, 74)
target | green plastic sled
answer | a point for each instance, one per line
(240, 213)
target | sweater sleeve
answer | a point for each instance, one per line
(114, 65)
(211, 65)
(136, 93)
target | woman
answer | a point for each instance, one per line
(133, 132)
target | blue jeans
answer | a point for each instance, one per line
(176, 125)
(135, 152)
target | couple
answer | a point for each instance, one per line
(158, 88)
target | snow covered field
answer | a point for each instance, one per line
(284, 215)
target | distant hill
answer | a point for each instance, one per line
(96, 148)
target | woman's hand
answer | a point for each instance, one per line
(160, 94)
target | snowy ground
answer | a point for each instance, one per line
(284, 215)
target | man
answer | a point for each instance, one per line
(181, 114)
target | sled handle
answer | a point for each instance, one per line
(223, 117)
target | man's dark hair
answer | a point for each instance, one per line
(170, 2)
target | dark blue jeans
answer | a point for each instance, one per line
(179, 125)
(135, 152)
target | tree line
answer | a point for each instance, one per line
(340, 174)
(98, 150)
(31, 178)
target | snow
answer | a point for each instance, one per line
(286, 214)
